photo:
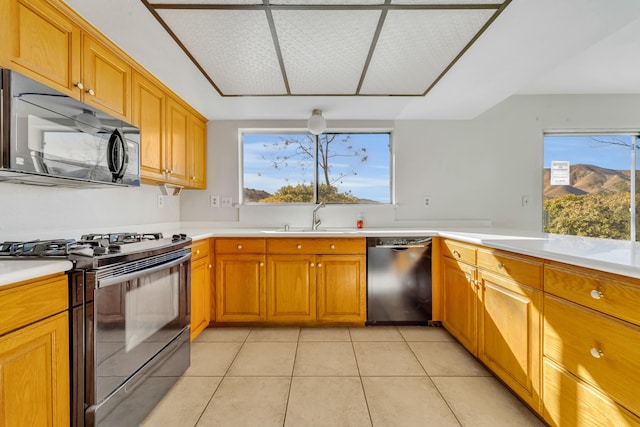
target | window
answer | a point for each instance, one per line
(590, 185)
(348, 167)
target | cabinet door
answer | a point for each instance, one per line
(291, 288)
(200, 296)
(149, 106)
(34, 367)
(510, 333)
(177, 142)
(240, 288)
(106, 78)
(197, 154)
(460, 302)
(41, 43)
(342, 288)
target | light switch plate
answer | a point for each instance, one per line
(227, 202)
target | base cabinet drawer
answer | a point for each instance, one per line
(568, 401)
(598, 349)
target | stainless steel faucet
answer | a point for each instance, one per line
(316, 221)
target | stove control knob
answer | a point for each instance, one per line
(114, 248)
(99, 250)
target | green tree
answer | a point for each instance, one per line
(303, 193)
(604, 215)
(301, 150)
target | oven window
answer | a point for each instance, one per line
(150, 303)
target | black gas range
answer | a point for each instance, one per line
(130, 297)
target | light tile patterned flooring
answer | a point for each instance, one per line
(336, 377)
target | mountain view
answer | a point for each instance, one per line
(596, 203)
(588, 179)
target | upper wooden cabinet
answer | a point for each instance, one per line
(49, 42)
(41, 43)
(197, 153)
(106, 79)
(48, 46)
(149, 106)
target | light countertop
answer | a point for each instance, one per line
(613, 256)
(18, 270)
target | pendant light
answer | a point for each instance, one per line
(316, 123)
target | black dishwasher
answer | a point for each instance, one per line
(398, 280)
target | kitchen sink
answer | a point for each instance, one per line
(310, 231)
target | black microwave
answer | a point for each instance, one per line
(48, 138)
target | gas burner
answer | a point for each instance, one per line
(108, 239)
(59, 247)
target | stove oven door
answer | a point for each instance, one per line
(138, 326)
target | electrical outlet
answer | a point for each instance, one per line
(215, 201)
(160, 201)
(525, 201)
(227, 202)
(427, 200)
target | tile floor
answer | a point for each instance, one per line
(337, 377)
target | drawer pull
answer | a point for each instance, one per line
(299, 246)
(597, 353)
(501, 265)
(596, 294)
(197, 251)
(332, 246)
(456, 253)
(240, 247)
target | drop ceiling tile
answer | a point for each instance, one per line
(415, 47)
(234, 47)
(326, 2)
(450, 2)
(216, 2)
(324, 51)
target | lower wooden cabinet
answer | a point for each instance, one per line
(460, 302)
(201, 288)
(240, 288)
(285, 280)
(509, 328)
(341, 288)
(568, 401)
(34, 353)
(291, 288)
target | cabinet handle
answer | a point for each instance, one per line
(262, 264)
(597, 353)
(79, 85)
(596, 294)
(90, 92)
(501, 265)
(319, 264)
(312, 265)
(210, 266)
(193, 178)
(456, 253)
(299, 246)
(239, 247)
(332, 246)
(197, 251)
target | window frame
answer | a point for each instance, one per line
(281, 131)
(634, 171)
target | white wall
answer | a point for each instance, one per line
(31, 212)
(473, 170)
(477, 169)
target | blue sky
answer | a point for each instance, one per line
(588, 150)
(371, 181)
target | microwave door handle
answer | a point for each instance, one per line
(109, 281)
(117, 145)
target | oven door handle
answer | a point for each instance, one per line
(114, 280)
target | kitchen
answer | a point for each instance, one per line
(476, 164)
